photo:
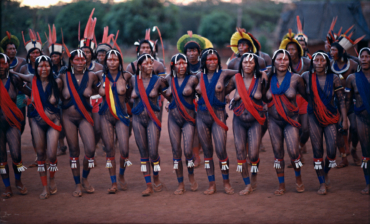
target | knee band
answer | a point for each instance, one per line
(224, 165)
(2, 167)
(143, 164)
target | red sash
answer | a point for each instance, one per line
(145, 100)
(323, 115)
(13, 115)
(107, 97)
(250, 105)
(208, 105)
(40, 108)
(76, 97)
(180, 106)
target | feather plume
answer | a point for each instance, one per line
(299, 25)
(9, 35)
(32, 35)
(90, 26)
(339, 32)
(358, 40)
(147, 34)
(39, 38)
(79, 31)
(160, 37)
(333, 23)
(345, 33)
(190, 33)
(24, 42)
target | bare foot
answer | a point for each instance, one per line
(355, 157)
(211, 190)
(113, 189)
(87, 187)
(45, 193)
(52, 186)
(322, 189)
(366, 190)
(193, 183)
(228, 188)
(21, 188)
(180, 189)
(248, 189)
(343, 163)
(148, 191)
(8, 193)
(299, 188)
(78, 191)
(281, 190)
(158, 187)
(327, 182)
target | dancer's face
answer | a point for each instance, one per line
(303, 44)
(56, 59)
(113, 62)
(145, 49)
(212, 62)
(101, 56)
(319, 63)
(4, 67)
(334, 53)
(44, 69)
(282, 62)
(243, 48)
(87, 52)
(248, 66)
(293, 51)
(181, 67)
(11, 51)
(365, 60)
(147, 66)
(79, 63)
(192, 55)
(34, 54)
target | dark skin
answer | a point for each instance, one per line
(342, 141)
(111, 125)
(8, 134)
(144, 128)
(245, 127)
(279, 129)
(46, 138)
(292, 48)
(56, 59)
(316, 130)
(75, 123)
(11, 52)
(100, 57)
(362, 118)
(208, 128)
(95, 116)
(178, 125)
(244, 48)
(193, 55)
(304, 47)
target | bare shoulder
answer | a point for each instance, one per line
(193, 78)
(21, 61)
(307, 61)
(305, 75)
(351, 78)
(59, 83)
(23, 69)
(98, 66)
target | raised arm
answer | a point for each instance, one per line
(23, 77)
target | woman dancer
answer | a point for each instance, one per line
(146, 89)
(358, 85)
(211, 116)
(114, 117)
(283, 124)
(323, 115)
(45, 125)
(248, 116)
(76, 116)
(10, 127)
(181, 117)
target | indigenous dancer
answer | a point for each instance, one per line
(10, 127)
(46, 124)
(104, 46)
(78, 84)
(56, 56)
(283, 124)
(302, 39)
(10, 44)
(300, 65)
(114, 117)
(261, 54)
(145, 122)
(191, 45)
(240, 44)
(321, 85)
(88, 45)
(343, 66)
(211, 116)
(34, 49)
(248, 116)
(181, 118)
(358, 86)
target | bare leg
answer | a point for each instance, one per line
(363, 130)
(123, 131)
(353, 138)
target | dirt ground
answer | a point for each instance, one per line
(342, 204)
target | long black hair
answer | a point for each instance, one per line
(203, 59)
(139, 46)
(54, 85)
(256, 64)
(299, 49)
(93, 55)
(73, 55)
(250, 45)
(120, 68)
(341, 52)
(177, 57)
(141, 59)
(276, 53)
(29, 54)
